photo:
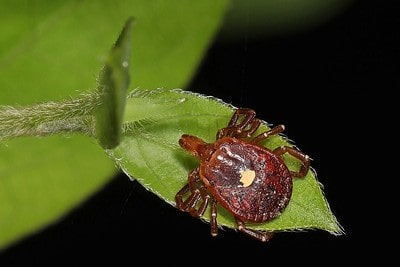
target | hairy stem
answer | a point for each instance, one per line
(49, 118)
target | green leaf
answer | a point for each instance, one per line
(149, 153)
(112, 86)
(42, 178)
(53, 50)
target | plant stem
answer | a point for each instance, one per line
(50, 118)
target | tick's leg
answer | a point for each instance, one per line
(205, 197)
(240, 129)
(193, 198)
(274, 131)
(248, 113)
(260, 235)
(179, 197)
(305, 159)
(198, 192)
(213, 222)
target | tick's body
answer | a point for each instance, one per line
(250, 181)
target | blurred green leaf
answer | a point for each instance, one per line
(42, 178)
(53, 50)
(258, 18)
(149, 153)
(112, 88)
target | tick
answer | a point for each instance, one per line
(250, 181)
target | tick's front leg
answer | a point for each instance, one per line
(197, 201)
(193, 198)
(243, 128)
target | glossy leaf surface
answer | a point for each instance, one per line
(149, 152)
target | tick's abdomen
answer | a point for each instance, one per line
(248, 180)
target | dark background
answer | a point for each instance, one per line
(329, 86)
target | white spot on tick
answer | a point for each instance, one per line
(247, 177)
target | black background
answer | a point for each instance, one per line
(329, 86)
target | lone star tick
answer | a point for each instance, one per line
(250, 181)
